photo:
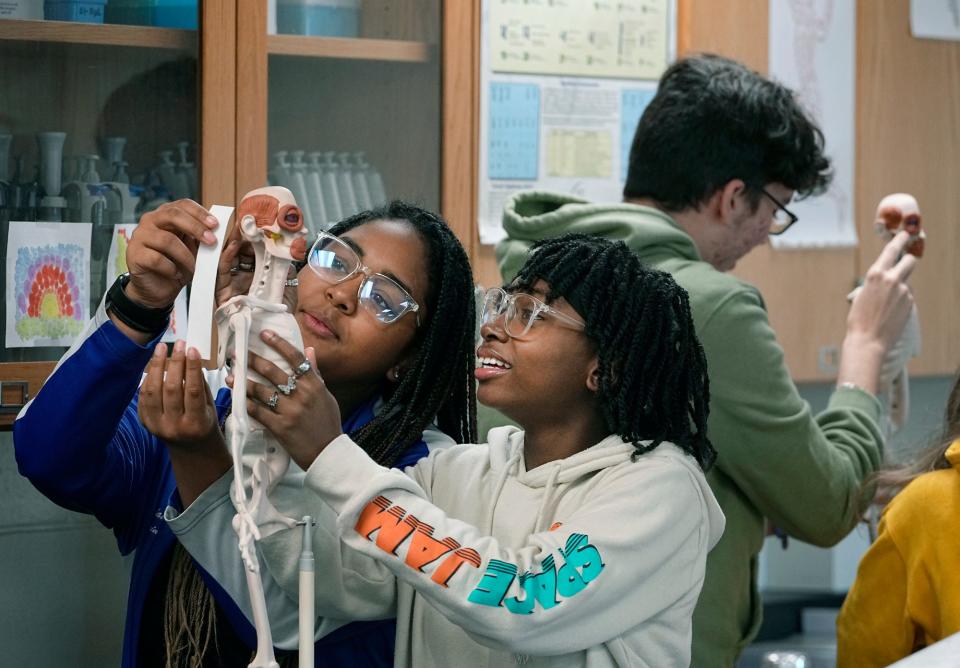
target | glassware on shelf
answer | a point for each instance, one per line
(120, 172)
(188, 169)
(360, 187)
(50, 145)
(175, 181)
(331, 193)
(24, 194)
(279, 175)
(319, 18)
(112, 149)
(315, 192)
(90, 173)
(5, 140)
(378, 194)
(345, 185)
(298, 186)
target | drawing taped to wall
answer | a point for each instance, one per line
(48, 279)
(117, 264)
(117, 256)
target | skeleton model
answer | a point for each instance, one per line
(271, 221)
(896, 212)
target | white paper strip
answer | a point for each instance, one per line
(935, 19)
(203, 287)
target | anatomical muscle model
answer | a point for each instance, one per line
(271, 221)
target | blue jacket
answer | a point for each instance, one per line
(80, 442)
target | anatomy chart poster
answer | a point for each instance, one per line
(48, 283)
(117, 264)
(563, 84)
(814, 53)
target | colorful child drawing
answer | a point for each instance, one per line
(47, 289)
(49, 293)
(120, 261)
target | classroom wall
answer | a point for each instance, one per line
(805, 567)
(63, 584)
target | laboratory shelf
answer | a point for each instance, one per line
(102, 34)
(350, 48)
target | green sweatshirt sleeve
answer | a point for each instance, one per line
(803, 472)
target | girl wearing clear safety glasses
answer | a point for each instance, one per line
(579, 539)
(386, 309)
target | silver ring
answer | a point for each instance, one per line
(244, 266)
(234, 271)
(289, 387)
(273, 401)
(292, 282)
(302, 368)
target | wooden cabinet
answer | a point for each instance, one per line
(394, 92)
(406, 91)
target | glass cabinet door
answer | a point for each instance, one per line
(353, 104)
(99, 123)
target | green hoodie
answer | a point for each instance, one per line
(776, 460)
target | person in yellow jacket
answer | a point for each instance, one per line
(907, 591)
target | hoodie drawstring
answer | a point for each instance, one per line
(548, 504)
(498, 488)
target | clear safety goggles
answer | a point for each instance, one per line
(334, 261)
(519, 312)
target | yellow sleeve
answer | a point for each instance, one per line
(874, 627)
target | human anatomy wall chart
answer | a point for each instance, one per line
(813, 51)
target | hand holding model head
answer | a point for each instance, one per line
(897, 212)
(414, 352)
(723, 150)
(587, 328)
(361, 358)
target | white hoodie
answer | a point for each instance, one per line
(593, 560)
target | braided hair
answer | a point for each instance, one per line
(653, 373)
(439, 381)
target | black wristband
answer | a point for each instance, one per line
(136, 316)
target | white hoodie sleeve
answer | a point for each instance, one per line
(635, 547)
(205, 529)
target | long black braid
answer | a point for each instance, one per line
(439, 381)
(653, 373)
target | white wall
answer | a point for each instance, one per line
(63, 588)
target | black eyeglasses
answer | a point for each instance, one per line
(783, 218)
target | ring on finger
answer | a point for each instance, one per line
(244, 266)
(302, 368)
(289, 386)
(273, 401)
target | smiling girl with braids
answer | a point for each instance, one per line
(580, 540)
(386, 308)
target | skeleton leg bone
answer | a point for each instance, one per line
(243, 524)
